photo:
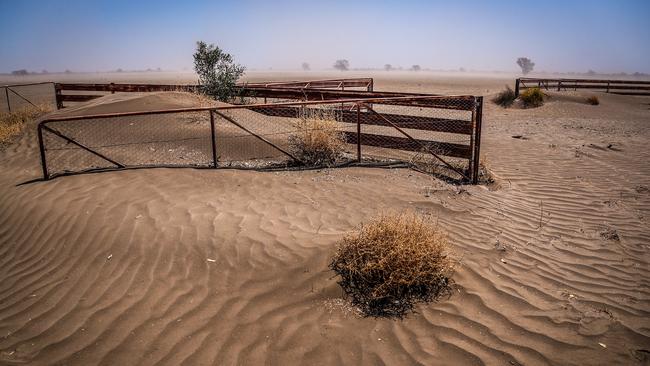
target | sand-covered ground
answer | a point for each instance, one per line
(184, 266)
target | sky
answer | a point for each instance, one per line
(559, 36)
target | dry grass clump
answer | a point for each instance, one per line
(392, 262)
(12, 123)
(593, 100)
(505, 98)
(317, 139)
(532, 97)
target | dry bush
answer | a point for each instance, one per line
(317, 139)
(505, 98)
(593, 100)
(532, 97)
(12, 123)
(392, 262)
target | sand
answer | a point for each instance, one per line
(184, 266)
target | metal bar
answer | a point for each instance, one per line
(80, 145)
(29, 84)
(23, 98)
(7, 95)
(477, 140)
(213, 140)
(405, 144)
(358, 132)
(517, 87)
(41, 148)
(423, 146)
(471, 145)
(314, 102)
(256, 135)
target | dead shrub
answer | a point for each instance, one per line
(593, 100)
(393, 262)
(505, 98)
(532, 98)
(12, 123)
(317, 140)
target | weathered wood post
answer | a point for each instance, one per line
(517, 87)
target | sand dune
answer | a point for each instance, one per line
(183, 266)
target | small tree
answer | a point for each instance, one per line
(20, 72)
(388, 67)
(342, 65)
(526, 64)
(305, 66)
(415, 68)
(218, 73)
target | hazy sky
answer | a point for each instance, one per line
(606, 36)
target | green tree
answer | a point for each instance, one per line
(218, 73)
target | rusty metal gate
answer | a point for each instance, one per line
(441, 134)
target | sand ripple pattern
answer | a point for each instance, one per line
(194, 267)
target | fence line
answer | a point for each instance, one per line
(447, 129)
(623, 87)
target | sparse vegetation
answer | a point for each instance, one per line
(532, 98)
(342, 65)
(505, 98)
(318, 139)
(393, 262)
(593, 100)
(12, 123)
(526, 64)
(305, 66)
(218, 73)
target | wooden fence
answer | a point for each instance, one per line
(624, 87)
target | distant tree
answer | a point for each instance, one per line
(415, 68)
(44, 71)
(119, 70)
(67, 71)
(591, 72)
(462, 69)
(158, 69)
(20, 72)
(388, 67)
(217, 70)
(343, 65)
(305, 66)
(526, 64)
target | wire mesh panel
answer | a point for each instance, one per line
(262, 136)
(17, 97)
(434, 134)
(175, 139)
(435, 138)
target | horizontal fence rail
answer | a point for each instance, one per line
(83, 92)
(623, 87)
(437, 134)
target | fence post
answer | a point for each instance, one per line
(358, 132)
(517, 87)
(59, 97)
(476, 154)
(41, 147)
(213, 142)
(7, 95)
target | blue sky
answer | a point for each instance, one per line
(606, 36)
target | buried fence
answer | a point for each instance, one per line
(15, 97)
(624, 87)
(440, 135)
